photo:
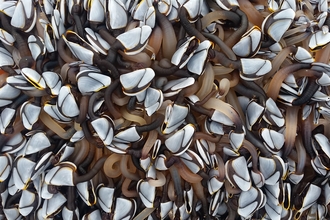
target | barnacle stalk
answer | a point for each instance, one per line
(164, 109)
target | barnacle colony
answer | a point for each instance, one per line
(168, 109)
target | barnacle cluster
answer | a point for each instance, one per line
(166, 109)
